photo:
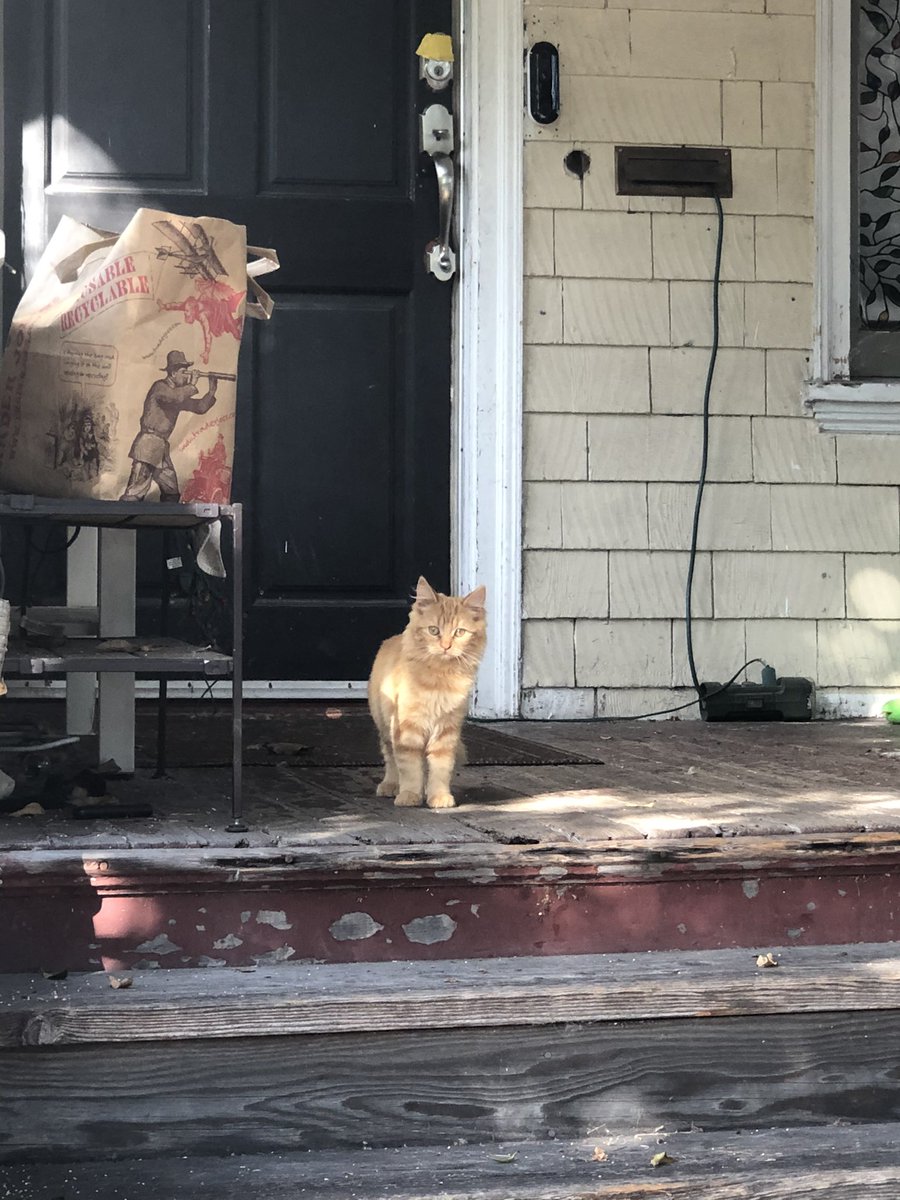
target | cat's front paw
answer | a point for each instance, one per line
(387, 787)
(441, 800)
(408, 799)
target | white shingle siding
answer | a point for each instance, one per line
(678, 375)
(734, 516)
(799, 549)
(587, 379)
(548, 654)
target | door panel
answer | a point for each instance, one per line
(349, 404)
(299, 120)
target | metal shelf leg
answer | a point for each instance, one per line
(237, 676)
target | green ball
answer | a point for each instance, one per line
(892, 711)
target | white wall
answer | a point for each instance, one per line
(799, 558)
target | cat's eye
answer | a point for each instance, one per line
(459, 632)
(433, 630)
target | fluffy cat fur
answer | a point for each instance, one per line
(419, 693)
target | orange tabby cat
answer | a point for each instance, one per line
(419, 692)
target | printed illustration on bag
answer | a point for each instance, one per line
(80, 438)
(150, 453)
(119, 377)
(211, 481)
(214, 306)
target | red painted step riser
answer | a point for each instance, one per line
(115, 928)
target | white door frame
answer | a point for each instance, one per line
(487, 447)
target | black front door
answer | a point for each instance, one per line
(299, 120)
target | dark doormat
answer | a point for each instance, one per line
(199, 735)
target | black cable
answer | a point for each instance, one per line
(704, 455)
(661, 712)
(698, 500)
(47, 548)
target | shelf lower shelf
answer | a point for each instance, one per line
(154, 657)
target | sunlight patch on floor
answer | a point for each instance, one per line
(577, 801)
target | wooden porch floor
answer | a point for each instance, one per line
(663, 780)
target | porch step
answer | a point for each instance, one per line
(858, 1163)
(338, 1057)
(128, 909)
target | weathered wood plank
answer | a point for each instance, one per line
(794, 1164)
(623, 859)
(660, 779)
(358, 997)
(343, 1091)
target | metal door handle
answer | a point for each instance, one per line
(437, 141)
(439, 258)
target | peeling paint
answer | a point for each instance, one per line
(811, 906)
(427, 930)
(842, 892)
(173, 921)
(552, 872)
(681, 927)
(205, 961)
(278, 920)
(795, 933)
(245, 917)
(200, 928)
(354, 927)
(281, 954)
(478, 875)
(750, 888)
(158, 945)
(228, 942)
(473, 909)
(450, 903)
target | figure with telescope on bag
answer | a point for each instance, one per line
(150, 451)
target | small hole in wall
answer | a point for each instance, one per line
(577, 163)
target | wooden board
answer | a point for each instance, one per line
(343, 1091)
(358, 997)
(857, 1163)
(659, 780)
(621, 859)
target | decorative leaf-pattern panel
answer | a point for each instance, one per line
(879, 163)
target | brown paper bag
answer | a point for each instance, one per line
(119, 376)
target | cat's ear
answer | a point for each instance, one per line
(476, 599)
(425, 593)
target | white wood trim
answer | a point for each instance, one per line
(839, 704)
(831, 347)
(866, 407)
(839, 404)
(488, 374)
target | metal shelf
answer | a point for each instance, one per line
(159, 656)
(113, 657)
(113, 514)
